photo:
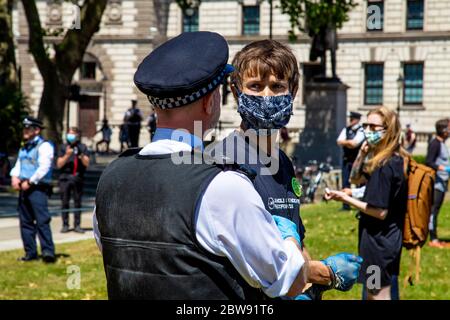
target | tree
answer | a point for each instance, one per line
(310, 16)
(13, 106)
(57, 71)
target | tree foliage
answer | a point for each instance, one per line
(57, 71)
(307, 16)
(310, 16)
(13, 106)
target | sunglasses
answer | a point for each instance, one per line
(373, 126)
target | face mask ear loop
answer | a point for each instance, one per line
(239, 93)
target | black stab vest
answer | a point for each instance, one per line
(145, 207)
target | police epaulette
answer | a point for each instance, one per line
(241, 168)
(130, 152)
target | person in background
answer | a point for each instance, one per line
(32, 176)
(350, 140)
(124, 137)
(106, 135)
(133, 118)
(438, 159)
(383, 207)
(152, 121)
(409, 141)
(285, 141)
(73, 159)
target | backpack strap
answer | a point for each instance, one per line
(414, 267)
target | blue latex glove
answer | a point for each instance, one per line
(287, 228)
(313, 293)
(345, 267)
(447, 168)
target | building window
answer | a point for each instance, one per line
(375, 15)
(414, 15)
(250, 20)
(87, 70)
(373, 84)
(190, 20)
(413, 83)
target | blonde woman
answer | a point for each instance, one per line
(383, 206)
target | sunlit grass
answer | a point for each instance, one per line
(328, 232)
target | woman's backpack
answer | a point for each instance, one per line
(420, 200)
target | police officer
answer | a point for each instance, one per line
(350, 139)
(32, 175)
(133, 118)
(171, 229)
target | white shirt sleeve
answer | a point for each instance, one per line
(45, 162)
(97, 234)
(233, 222)
(343, 135)
(15, 172)
(359, 137)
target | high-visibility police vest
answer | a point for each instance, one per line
(29, 161)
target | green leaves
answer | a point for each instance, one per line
(186, 4)
(312, 15)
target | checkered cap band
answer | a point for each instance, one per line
(170, 103)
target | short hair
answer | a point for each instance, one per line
(441, 126)
(75, 129)
(266, 57)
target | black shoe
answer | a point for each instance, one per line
(48, 258)
(27, 258)
(65, 229)
(78, 229)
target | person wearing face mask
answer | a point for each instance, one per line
(264, 83)
(438, 158)
(180, 230)
(32, 176)
(72, 161)
(383, 207)
(350, 139)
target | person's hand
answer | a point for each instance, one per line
(69, 151)
(335, 195)
(345, 268)
(347, 191)
(15, 183)
(286, 227)
(25, 185)
(365, 147)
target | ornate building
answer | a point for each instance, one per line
(401, 59)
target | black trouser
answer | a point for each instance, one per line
(133, 132)
(68, 186)
(35, 219)
(346, 170)
(437, 203)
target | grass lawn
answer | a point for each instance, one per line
(328, 232)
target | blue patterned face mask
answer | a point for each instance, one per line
(374, 137)
(264, 112)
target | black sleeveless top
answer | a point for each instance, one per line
(278, 191)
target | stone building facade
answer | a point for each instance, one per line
(403, 62)
(129, 31)
(412, 42)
